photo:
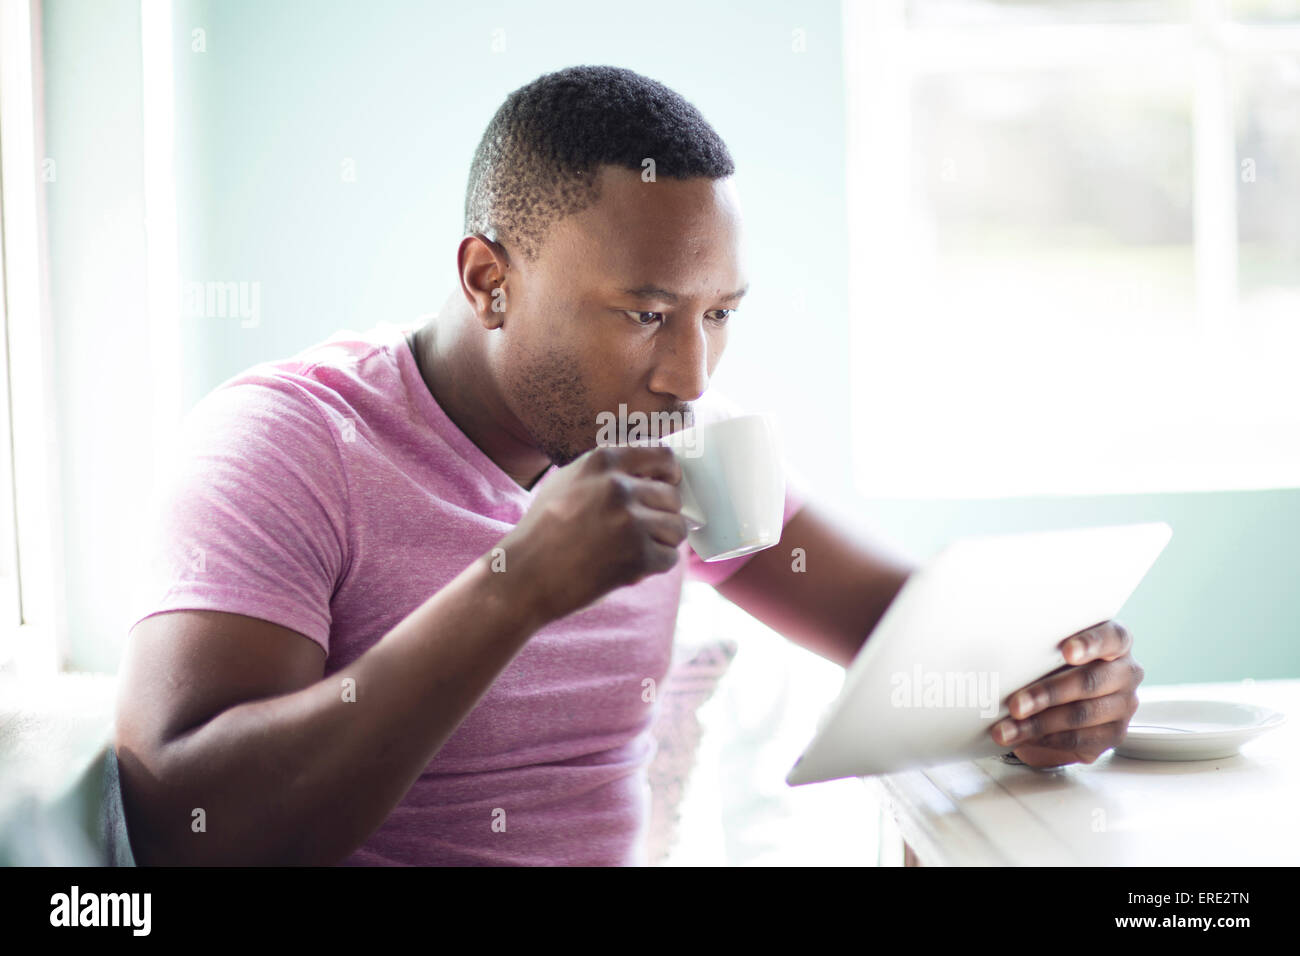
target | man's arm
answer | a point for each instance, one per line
(833, 604)
(233, 715)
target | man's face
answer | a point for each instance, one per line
(628, 302)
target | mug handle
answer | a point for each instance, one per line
(691, 510)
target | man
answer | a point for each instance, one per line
(411, 606)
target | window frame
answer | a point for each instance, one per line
(34, 630)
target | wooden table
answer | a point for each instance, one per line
(1240, 810)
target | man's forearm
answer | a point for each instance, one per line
(822, 587)
(844, 644)
(306, 777)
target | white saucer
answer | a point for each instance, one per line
(1194, 729)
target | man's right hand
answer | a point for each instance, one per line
(607, 519)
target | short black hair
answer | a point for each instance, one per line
(538, 159)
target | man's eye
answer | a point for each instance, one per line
(723, 314)
(637, 316)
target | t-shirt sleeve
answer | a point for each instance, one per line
(718, 407)
(253, 517)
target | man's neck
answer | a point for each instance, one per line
(450, 358)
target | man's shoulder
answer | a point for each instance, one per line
(325, 380)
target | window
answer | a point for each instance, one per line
(1077, 258)
(30, 626)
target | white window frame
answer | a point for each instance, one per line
(34, 639)
(883, 57)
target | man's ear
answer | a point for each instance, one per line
(483, 267)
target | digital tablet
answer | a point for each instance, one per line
(977, 622)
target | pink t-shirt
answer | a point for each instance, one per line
(330, 494)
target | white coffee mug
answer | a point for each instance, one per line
(733, 485)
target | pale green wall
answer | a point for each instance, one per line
(286, 90)
(1219, 604)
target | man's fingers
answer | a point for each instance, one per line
(1077, 683)
(666, 528)
(659, 495)
(1105, 641)
(1086, 740)
(649, 461)
(1088, 712)
(1083, 746)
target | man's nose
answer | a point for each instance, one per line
(682, 363)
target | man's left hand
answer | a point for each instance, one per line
(1077, 713)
